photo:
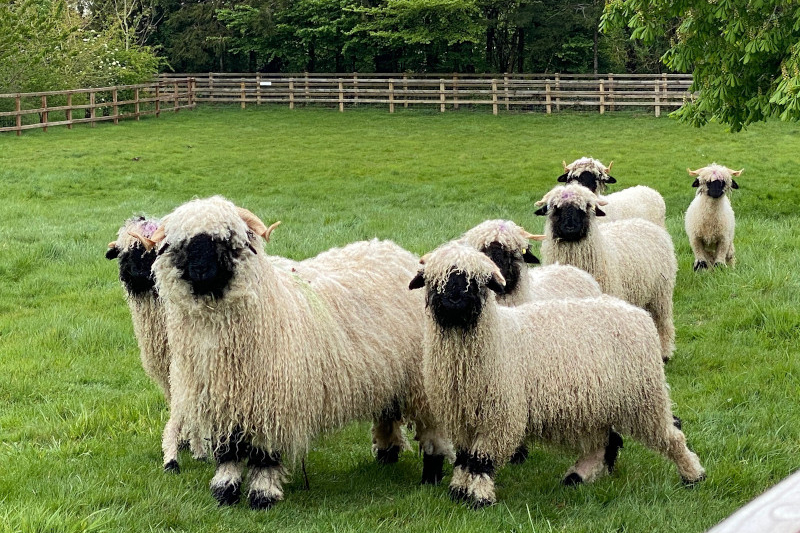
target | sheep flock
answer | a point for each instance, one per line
(474, 349)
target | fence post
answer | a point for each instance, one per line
(114, 99)
(558, 92)
(505, 90)
(547, 97)
(136, 103)
(69, 111)
(158, 99)
(455, 91)
(192, 86)
(18, 106)
(44, 113)
(391, 95)
(405, 90)
(92, 110)
(241, 85)
(602, 99)
(291, 93)
(611, 92)
(341, 96)
(355, 89)
(441, 94)
(665, 88)
(307, 94)
(494, 97)
(210, 86)
(657, 99)
(175, 87)
(258, 89)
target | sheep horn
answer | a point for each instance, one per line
(693, 172)
(252, 221)
(602, 202)
(269, 230)
(539, 203)
(537, 237)
(526, 235)
(737, 173)
(147, 243)
(566, 168)
(158, 235)
(608, 168)
(498, 277)
(424, 259)
(112, 244)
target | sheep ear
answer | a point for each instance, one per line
(418, 282)
(696, 182)
(529, 258)
(598, 212)
(563, 177)
(734, 185)
(113, 251)
(610, 179)
(542, 211)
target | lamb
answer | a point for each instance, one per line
(273, 357)
(633, 202)
(631, 259)
(147, 314)
(710, 223)
(495, 374)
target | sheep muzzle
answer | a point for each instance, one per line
(458, 305)
(569, 223)
(207, 264)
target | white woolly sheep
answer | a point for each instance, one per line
(147, 314)
(272, 357)
(631, 259)
(495, 374)
(710, 223)
(634, 202)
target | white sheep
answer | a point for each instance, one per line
(147, 314)
(272, 357)
(634, 202)
(710, 223)
(631, 259)
(496, 374)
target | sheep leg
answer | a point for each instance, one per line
(435, 448)
(387, 435)
(702, 259)
(227, 481)
(170, 445)
(730, 257)
(661, 311)
(266, 479)
(197, 445)
(673, 446)
(724, 251)
(520, 455)
(475, 480)
(594, 464)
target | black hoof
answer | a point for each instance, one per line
(688, 483)
(677, 422)
(388, 456)
(613, 447)
(227, 494)
(481, 503)
(520, 455)
(700, 265)
(172, 467)
(572, 480)
(432, 466)
(260, 501)
(458, 494)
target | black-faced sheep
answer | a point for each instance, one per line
(147, 314)
(495, 374)
(272, 357)
(633, 202)
(631, 259)
(710, 223)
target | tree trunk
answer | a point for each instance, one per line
(521, 51)
(594, 51)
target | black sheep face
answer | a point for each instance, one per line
(509, 262)
(206, 263)
(135, 268)
(715, 188)
(569, 223)
(459, 305)
(586, 178)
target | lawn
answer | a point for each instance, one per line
(80, 423)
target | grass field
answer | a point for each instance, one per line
(80, 423)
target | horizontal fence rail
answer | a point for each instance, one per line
(529, 92)
(24, 111)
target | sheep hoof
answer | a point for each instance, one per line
(699, 265)
(227, 494)
(389, 455)
(677, 422)
(172, 467)
(572, 480)
(720, 265)
(520, 455)
(615, 444)
(689, 483)
(432, 469)
(480, 503)
(458, 494)
(261, 501)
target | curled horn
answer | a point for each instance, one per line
(537, 237)
(608, 168)
(602, 202)
(526, 235)
(112, 244)
(737, 173)
(693, 172)
(269, 230)
(147, 243)
(564, 163)
(498, 277)
(158, 235)
(252, 221)
(424, 259)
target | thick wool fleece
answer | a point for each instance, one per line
(634, 202)
(710, 222)
(527, 370)
(630, 259)
(540, 283)
(284, 355)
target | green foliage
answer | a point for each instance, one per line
(80, 422)
(744, 55)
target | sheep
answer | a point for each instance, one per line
(273, 357)
(639, 201)
(709, 220)
(631, 259)
(147, 314)
(496, 374)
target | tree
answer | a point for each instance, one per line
(744, 54)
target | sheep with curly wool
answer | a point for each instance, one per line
(634, 202)
(631, 259)
(710, 223)
(147, 314)
(496, 374)
(273, 357)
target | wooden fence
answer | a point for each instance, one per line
(23, 111)
(530, 92)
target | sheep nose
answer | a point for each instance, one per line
(202, 264)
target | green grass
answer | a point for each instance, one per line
(80, 423)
